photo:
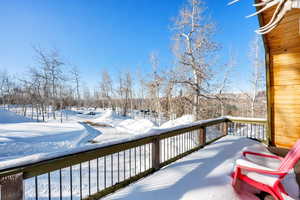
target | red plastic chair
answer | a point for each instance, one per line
(265, 178)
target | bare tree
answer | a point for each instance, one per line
(193, 46)
(76, 79)
(169, 89)
(51, 64)
(4, 86)
(223, 85)
(106, 88)
(257, 74)
(125, 92)
(155, 84)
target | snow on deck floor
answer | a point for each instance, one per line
(204, 174)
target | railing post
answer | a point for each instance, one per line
(11, 187)
(156, 153)
(225, 130)
(202, 136)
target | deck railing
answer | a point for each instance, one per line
(248, 127)
(94, 173)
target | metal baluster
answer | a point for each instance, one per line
(264, 132)
(80, 180)
(36, 188)
(162, 148)
(190, 140)
(129, 163)
(185, 141)
(248, 131)
(182, 144)
(145, 166)
(171, 147)
(192, 135)
(179, 144)
(255, 131)
(140, 159)
(104, 172)
(243, 129)
(150, 155)
(165, 150)
(134, 160)
(175, 149)
(49, 185)
(89, 168)
(60, 185)
(168, 148)
(97, 165)
(176, 144)
(118, 167)
(258, 131)
(193, 139)
(124, 155)
(71, 182)
(112, 169)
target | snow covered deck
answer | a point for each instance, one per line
(204, 174)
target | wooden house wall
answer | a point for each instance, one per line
(283, 46)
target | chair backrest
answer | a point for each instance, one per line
(291, 158)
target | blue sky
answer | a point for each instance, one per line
(115, 35)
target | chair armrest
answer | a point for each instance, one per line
(253, 167)
(262, 155)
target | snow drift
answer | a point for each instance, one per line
(11, 117)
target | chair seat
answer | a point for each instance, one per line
(263, 161)
(262, 178)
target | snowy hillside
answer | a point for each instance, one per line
(17, 140)
(10, 117)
